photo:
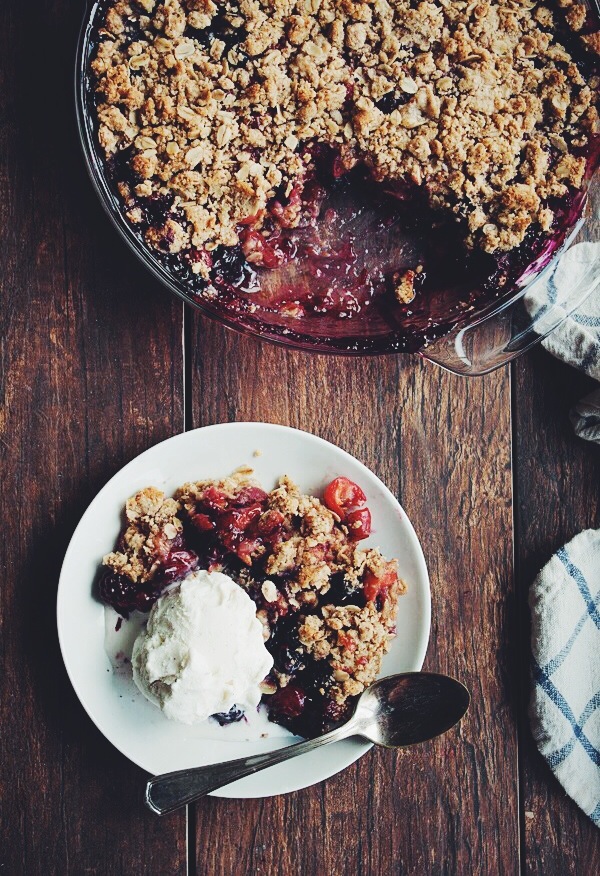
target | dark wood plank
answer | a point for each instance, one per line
(91, 365)
(443, 445)
(557, 477)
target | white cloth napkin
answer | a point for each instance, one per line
(577, 339)
(585, 417)
(565, 706)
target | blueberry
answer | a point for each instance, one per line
(230, 267)
(231, 717)
(220, 29)
(125, 596)
(342, 592)
(390, 102)
(288, 660)
(156, 208)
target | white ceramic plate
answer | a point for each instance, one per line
(136, 727)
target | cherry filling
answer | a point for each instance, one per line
(362, 250)
(239, 528)
(305, 705)
(377, 586)
(177, 565)
(125, 595)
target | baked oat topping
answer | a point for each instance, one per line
(150, 553)
(327, 605)
(217, 107)
(152, 528)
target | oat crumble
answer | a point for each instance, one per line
(479, 103)
(152, 528)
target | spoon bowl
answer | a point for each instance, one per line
(394, 712)
(405, 709)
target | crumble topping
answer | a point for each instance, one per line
(353, 640)
(315, 547)
(153, 528)
(191, 493)
(479, 103)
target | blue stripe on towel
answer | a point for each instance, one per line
(577, 576)
(556, 757)
(557, 661)
(587, 320)
(590, 358)
(590, 708)
(595, 815)
(560, 702)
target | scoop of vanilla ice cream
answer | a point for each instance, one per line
(202, 650)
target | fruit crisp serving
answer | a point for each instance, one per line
(224, 124)
(327, 605)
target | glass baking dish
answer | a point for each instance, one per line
(509, 328)
(472, 342)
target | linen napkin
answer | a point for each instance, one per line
(565, 706)
(577, 339)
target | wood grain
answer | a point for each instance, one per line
(558, 476)
(91, 370)
(91, 366)
(442, 444)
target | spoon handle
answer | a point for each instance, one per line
(171, 790)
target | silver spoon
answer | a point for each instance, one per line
(394, 711)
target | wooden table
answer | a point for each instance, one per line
(98, 363)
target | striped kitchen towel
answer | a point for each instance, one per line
(576, 340)
(565, 705)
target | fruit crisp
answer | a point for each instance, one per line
(482, 103)
(327, 605)
(237, 132)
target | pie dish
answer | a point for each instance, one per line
(285, 164)
(111, 698)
